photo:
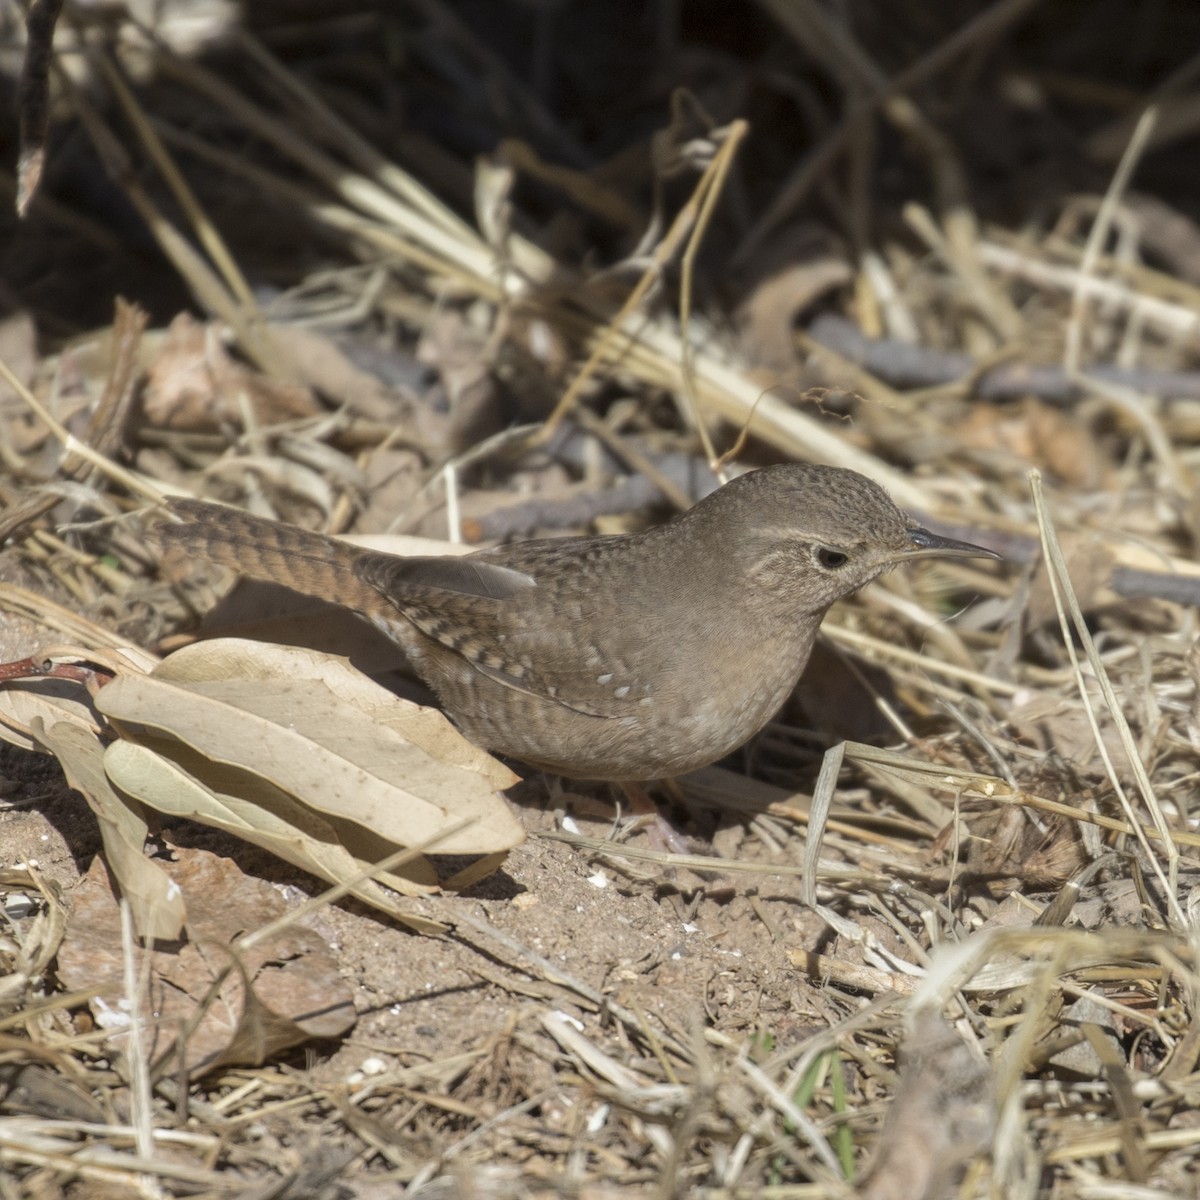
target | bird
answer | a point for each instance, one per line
(626, 658)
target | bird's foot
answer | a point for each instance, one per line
(662, 835)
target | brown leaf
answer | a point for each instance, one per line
(276, 994)
(767, 317)
(1089, 563)
(1059, 723)
(1036, 434)
(194, 384)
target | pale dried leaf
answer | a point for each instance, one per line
(155, 902)
(304, 739)
(193, 383)
(44, 701)
(256, 813)
(425, 727)
(795, 278)
(51, 701)
(1053, 722)
(1090, 565)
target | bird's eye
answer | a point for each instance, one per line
(830, 558)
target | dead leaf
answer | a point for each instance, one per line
(50, 701)
(170, 778)
(426, 727)
(194, 384)
(300, 754)
(785, 282)
(279, 993)
(45, 702)
(1090, 565)
(303, 738)
(154, 901)
(1036, 434)
(1059, 724)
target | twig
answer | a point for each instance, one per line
(907, 366)
(106, 424)
(31, 102)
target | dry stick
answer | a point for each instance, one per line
(967, 266)
(209, 291)
(735, 866)
(822, 802)
(1159, 443)
(1133, 406)
(365, 157)
(849, 373)
(127, 1179)
(1174, 320)
(496, 66)
(721, 165)
(106, 422)
(205, 231)
(136, 983)
(906, 365)
(991, 787)
(31, 98)
(1060, 586)
(987, 25)
(1167, 236)
(1099, 235)
(382, 240)
(861, 158)
(719, 389)
(639, 462)
(471, 255)
(109, 469)
(653, 350)
(685, 220)
(580, 188)
(1180, 112)
(59, 619)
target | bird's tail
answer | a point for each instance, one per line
(297, 558)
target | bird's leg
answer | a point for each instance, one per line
(646, 815)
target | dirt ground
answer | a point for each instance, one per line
(699, 955)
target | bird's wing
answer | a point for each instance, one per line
(491, 615)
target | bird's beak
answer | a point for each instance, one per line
(933, 545)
